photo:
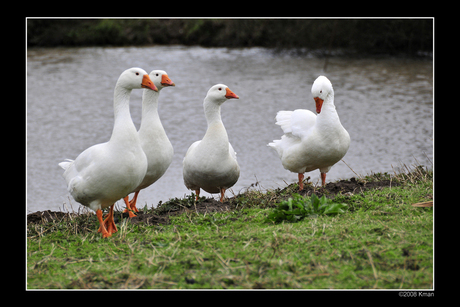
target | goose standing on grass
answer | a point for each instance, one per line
(154, 140)
(210, 164)
(106, 172)
(312, 141)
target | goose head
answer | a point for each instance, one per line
(136, 78)
(160, 79)
(220, 93)
(320, 90)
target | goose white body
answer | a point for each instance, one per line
(312, 141)
(210, 164)
(106, 172)
(154, 141)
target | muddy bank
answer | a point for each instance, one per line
(352, 186)
(161, 214)
(47, 216)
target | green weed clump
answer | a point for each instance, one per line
(297, 208)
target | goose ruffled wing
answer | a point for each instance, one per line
(298, 123)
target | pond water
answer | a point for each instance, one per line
(386, 105)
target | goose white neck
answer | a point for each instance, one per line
(328, 115)
(211, 111)
(216, 133)
(123, 127)
(329, 102)
(149, 103)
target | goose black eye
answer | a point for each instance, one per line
(320, 91)
(157, 75)
(220, 88)
(137, 74)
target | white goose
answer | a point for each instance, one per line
(154, 140)
(106, 172)
(210, 164)
(312, 142)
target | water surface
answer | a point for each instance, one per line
(385, 104)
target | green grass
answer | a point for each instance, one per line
(380, 241)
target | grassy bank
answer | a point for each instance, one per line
(380, 240)
(363, 36)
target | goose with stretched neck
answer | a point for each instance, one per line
(210, 164)
(312, 141)
(153, 138)
(107, 172)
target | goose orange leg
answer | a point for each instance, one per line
(102, 229)
(108, 226)
(131, 204)
(197, 193)
(323, 179)
(129, 209)
(300, 181)
(109, 222)
(222, 194)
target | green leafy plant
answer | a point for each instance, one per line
(298, 207)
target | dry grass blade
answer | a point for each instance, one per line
(352, 170)
(372, 264)
(423, 204)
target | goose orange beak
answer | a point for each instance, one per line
(147, 83)
(229, 94)
(165, 81)
(319, 104)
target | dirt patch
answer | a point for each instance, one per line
(351, 185)
(209, 205)
(160, 215)
(47, 216)
(202, 206)
(149, 219)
